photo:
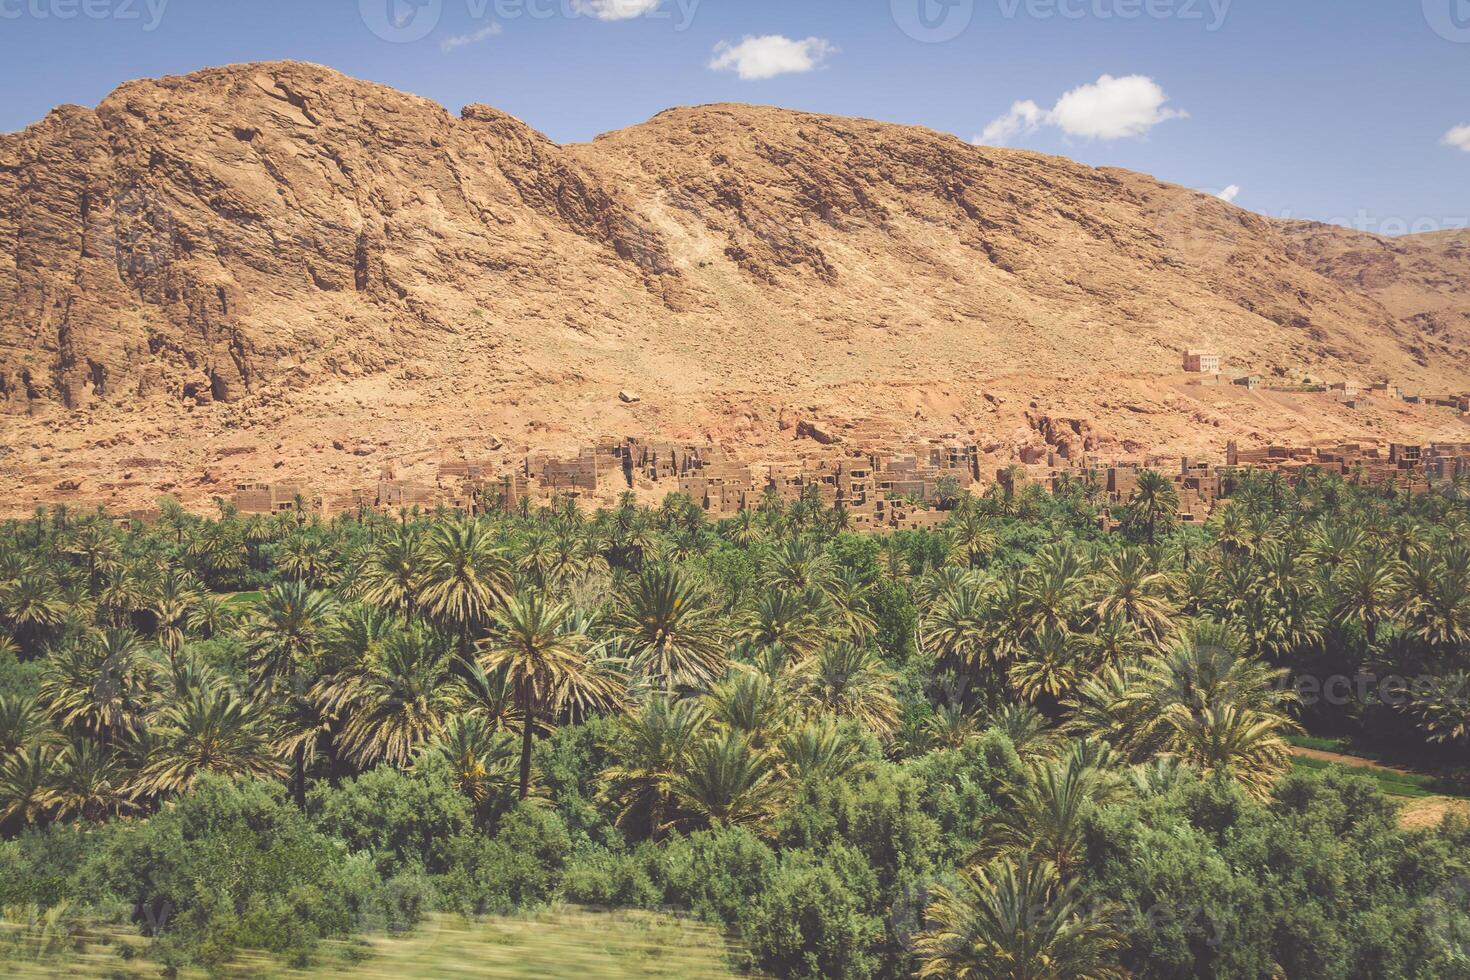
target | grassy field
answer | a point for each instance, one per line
(570, 943)
(242, 598)
(1404, 784)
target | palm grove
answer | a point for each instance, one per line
(1017, 747)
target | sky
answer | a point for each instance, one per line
(1350, 111)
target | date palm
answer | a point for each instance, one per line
(98, 685)
(1018, 920)
(650, 749)
(786, 622)
(848, 595)
(1365, 589)
(1154, 504)
(1442, 708)
(821, 750)
(1049, 669)
(23, 723)
(481, 758)
(728, 782)
(208, 730)
(670, 630)
(545, 665)
(287, 628)
(749, 701)
(958, 628)
(798, 564)
(88, 781)
(32, 605)
(1209, 704)
(399, 700)
(972, 536)
(847, 681)
(466, 578)
(1130, 590)
(25, 784)
(392, 573)
(1046, 815)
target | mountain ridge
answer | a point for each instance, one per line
(228, 251)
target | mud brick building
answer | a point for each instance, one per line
(271, 498)
(1201, 362)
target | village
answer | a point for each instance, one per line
(879, 488)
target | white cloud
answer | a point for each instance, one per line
(465, 40)
(766, 57)
(1024, 117)
(1229, 194)
(1459, 138)
(616, 9)
(1108, 109)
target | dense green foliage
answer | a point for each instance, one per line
(1017, 747)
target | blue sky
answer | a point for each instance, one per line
(1356, 111)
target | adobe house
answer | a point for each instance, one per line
(1201, 362)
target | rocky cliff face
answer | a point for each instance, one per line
(271, 243)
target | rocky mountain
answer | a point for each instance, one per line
(266, 254)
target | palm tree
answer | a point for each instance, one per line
(1206, 702)
(728, 782)
(1046, 815)
(749, 701)
(971, 535)
(1442, 707)
(210, 729)
(87, 780)
(958, 628)
(650, 749)
(1155, 503)
(1365, 589)
(1048, 670)
(25, 783)
(466, 578)
(847, 594)
(396, 701)
(392, 571)
(1131, 591)
(481, 758)
(822, 751)
(798, 564)
(287, 628)
(1018, 921)
(544, 664)
(786, 622)
(32, 604)
(22, 723)
(98, 685)
(746, 528)
(670, 630)
(851, 682)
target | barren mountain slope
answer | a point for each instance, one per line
(1423, 280)
(273, 268)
